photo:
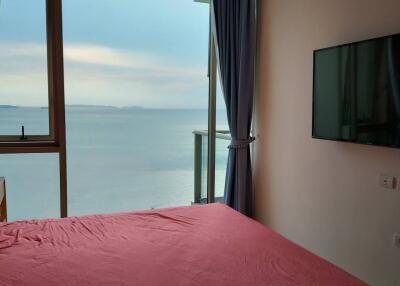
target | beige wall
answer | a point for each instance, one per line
(322, 194)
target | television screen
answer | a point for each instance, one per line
(356, 94)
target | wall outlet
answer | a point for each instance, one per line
(387, 181)
(396, 240)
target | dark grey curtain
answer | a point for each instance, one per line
(235, 36)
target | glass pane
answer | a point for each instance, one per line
(136, 90)
(23, 68)
(222, 143)
(204, 170)
(32, 185)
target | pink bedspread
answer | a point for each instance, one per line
(199, 245)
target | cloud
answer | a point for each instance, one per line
(96, 74)
(11, 50)
(101, 55)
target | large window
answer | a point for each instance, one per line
(140, 95)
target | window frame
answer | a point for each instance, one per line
(42, 139)
(212, 105)
(212, 115)
(55, 142)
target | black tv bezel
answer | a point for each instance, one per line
(313, 136)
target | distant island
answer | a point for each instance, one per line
(76, 106)
(8, 106)
(102, 106)
(132, 107)
(95, 106)
(88, 106)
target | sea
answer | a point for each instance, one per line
(119, 159)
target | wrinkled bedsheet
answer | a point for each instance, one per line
(197, 245)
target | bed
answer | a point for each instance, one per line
(197, 245)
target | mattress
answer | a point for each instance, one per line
(197, 245)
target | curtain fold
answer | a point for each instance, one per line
(234, 32)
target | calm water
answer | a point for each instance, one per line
(118, 160)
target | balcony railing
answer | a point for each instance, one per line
(223, 139)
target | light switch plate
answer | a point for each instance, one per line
(387, 181)
(396, 240)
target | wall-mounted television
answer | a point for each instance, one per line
(356, 92)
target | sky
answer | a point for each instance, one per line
(149, 53)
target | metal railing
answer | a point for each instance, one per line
(200, 162)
